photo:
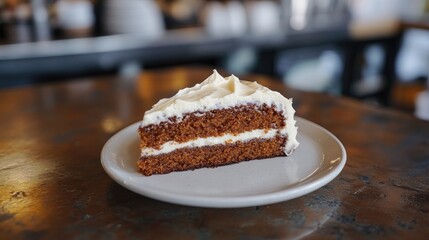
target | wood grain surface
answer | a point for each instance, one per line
(52, 185)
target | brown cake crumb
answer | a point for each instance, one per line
(211, 124)
(212, 156)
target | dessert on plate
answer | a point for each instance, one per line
(218, 122)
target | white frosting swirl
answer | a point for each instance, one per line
(218, 92)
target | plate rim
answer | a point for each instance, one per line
(301, 188)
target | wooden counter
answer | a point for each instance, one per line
(52, 185)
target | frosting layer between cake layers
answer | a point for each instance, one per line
(211, 141)
(217, 92)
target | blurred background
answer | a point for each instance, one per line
(373, 50)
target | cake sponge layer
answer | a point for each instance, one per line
(212, 156)
(212, 124)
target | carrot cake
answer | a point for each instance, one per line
(217, 122)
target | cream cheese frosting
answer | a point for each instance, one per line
(217, 92)
(211, 141)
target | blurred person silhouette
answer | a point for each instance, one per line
(75, 18)
(143, 18)
(16, 18)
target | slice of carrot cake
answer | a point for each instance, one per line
(217, 122)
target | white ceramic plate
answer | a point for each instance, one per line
(318, 160)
